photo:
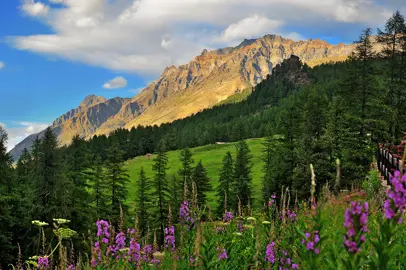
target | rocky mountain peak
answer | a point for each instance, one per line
(91, 100)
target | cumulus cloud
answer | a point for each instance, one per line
(2, 65)
(20, 131)
(33, 8)
(117, 82)
(145, 36)
(250, 27)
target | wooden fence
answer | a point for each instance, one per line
(389, 162)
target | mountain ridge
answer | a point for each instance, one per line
(180, 91)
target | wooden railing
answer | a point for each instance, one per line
(389, 162)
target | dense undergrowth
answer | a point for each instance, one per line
(350, 230)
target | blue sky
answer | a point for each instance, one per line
(53, 53)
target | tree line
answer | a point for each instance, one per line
(308, 115)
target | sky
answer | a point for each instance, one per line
(53, 53)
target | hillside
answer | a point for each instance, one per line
(181, 91)
(211, 156)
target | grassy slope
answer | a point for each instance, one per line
(211, 156)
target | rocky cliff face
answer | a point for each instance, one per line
(92, 112)
(208, 79)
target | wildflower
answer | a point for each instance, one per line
(102, 228)
(71, 267)
(270, 253)
(155, 261)
(292, 215)
(134, 253)
(170, 238)
(43, 262)
(39, 223)
(311, 241)
(395, 205)
(61, 220)
(271, 201)
(220, 230)
(222, 255)
(240, 226)
(286, 262)
(356, 220)
(227, 217)
(184, 216)
(120, 242)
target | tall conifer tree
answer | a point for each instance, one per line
(226, 184)
(117, 179)
(161, 190)
(242, 174)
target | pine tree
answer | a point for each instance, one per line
(117, 179)
(99, 186)
(143, 202)
(53, 191)
(202, 183)
(186, 171)
(175, 197)
(225, 187)
(362, 110)
(6, 199)
(242, 175)
(311, 149)
(161, 190)
(22, 210)
(268, 181)
(394, 41)
(78, 164)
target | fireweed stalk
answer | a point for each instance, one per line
(170, 238)
(185, 216)
(356, 223)
(385, 241)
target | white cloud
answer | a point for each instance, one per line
(250, 27)
(2, 65)
(21, 131)
(117, 82)
(33, 8)
(145, 36)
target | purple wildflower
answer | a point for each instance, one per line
(240, 226)
(191, 259)
(270, 253)
(292, 215)
(395, 205)
(220, 230)
(227, 217)
(170, 238)
(43, 262)
(71, 267)
(311, 241)
(134, 252)
(286, 262)
(120, 242)
(222, 255)
(356, 221)
(271, 201)
(185, 215)
(103, 228)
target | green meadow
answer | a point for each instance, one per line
(211, 156)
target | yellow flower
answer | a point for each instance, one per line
(39, 223)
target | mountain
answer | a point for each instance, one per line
(92, 112)
(208, 79)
